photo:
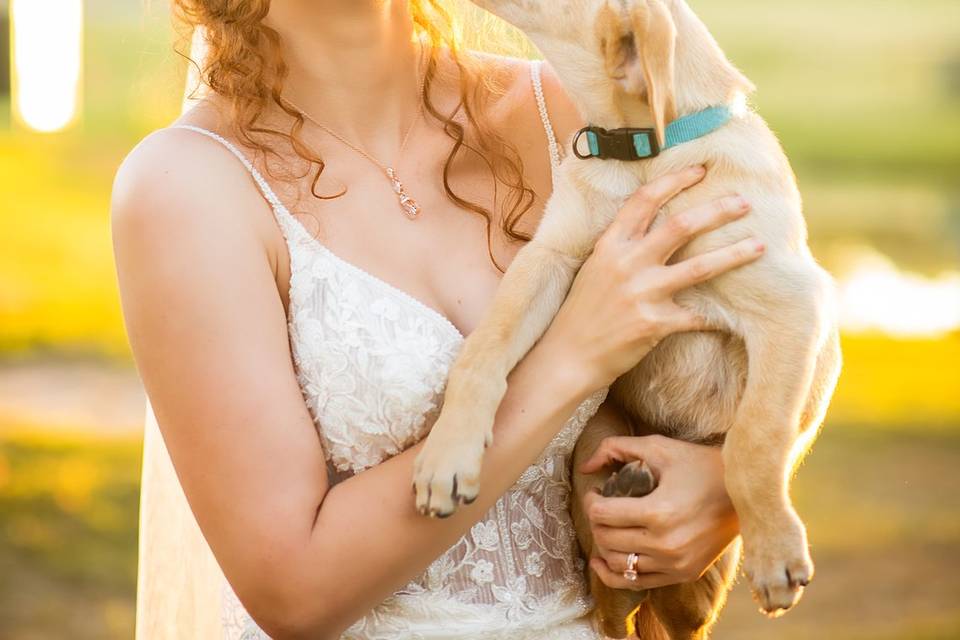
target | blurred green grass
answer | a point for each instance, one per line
(870, 88)
(68, 513)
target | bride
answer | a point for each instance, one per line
(300, 256)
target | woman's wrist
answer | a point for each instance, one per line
(562, 369)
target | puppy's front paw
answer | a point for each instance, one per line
(447, 471)
(778, 566)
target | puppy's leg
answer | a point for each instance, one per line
(613, 606)
(783, 349)
(687, 611)
(447, 470)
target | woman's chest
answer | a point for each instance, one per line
(449, 257)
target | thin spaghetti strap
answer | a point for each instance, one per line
(265, 189)
(556, 155)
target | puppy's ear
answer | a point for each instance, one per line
(639, 46)
(656, 40)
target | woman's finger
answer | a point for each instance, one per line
(616, 580)
(642, 207)
(622, 512)
(625, 540)
(679, 228)
(617, 561)
(707, 266)
(612, 450)
(681, 320)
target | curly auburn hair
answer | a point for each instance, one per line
(243, 64)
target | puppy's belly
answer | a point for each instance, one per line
(688, 387)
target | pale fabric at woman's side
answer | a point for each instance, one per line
(178, 579)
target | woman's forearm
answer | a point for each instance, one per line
(368, 540)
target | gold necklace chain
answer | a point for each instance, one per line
(409, 206)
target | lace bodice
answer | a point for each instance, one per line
(372, 363)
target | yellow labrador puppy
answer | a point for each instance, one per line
(660, 95)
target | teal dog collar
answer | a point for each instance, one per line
(639, 144)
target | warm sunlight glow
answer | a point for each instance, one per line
(876, 296)
(739, 103)
(198, 51)
(46, 61)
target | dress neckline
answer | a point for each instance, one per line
(311, 240)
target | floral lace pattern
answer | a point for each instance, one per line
(372, 363)
(371, 360)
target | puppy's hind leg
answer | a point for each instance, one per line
(783, 349)
(613, 606)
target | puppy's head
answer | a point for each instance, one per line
(605, 51)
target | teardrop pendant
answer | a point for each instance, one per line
(408, 204)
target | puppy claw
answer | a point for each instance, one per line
(779, 573)
(447, 470)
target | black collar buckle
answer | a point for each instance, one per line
(617, 144)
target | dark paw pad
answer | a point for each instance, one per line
(633, 480)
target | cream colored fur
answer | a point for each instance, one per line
(763, 379)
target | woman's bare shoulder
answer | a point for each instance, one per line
(514, 76)
(181, 178)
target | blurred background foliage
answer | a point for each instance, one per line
(865, 95)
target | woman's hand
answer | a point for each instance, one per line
(621, 303)
(678, 530)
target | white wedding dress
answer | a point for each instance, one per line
(372, 362)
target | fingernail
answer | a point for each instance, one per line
(758, 247)
(742, 203)
(700, 169)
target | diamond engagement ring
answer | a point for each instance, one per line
(631, 572)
